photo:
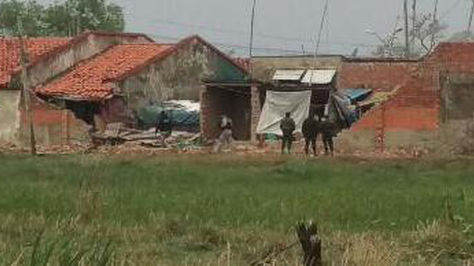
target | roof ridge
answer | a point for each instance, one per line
(82, 36)
(144, 44)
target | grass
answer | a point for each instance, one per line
(220, 210)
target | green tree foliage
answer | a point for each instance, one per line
(66, 18)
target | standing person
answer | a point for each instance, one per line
(310, 133)
(328, 131)
(225, 139)
(287, 126)
(164, 125)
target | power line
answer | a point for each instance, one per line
(231, 45)
(244, 33)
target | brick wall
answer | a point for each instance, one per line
(236, 104)
(53, 126)
(414, 111)
(375, 74)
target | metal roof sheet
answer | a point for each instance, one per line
(281, 74)
(319, 76)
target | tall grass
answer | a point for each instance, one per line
(97, 210)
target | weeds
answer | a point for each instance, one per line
(221, 211)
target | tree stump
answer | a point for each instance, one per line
(310, 242)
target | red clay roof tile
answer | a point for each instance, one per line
(10, 54)
(90, 80)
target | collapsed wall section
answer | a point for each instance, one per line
(410, 118)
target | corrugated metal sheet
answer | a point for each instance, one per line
(319, 76)
(281, 74)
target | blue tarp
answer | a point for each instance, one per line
(357, 95)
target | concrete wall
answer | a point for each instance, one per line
(9, 115)
(78, 49)
(178, 76)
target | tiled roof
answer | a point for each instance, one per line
(243, 62)
(10, 54)
(90, 79)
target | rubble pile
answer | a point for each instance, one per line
(139, 140)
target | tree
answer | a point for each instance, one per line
(427, 32)
(425, 35)
(61, 18)
(31, 14)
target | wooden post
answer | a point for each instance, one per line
(256, 110)
(26, 89)
(252, 23)
(311, 243)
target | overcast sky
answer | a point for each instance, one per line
(281, 26)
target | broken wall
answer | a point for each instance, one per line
(53, 126)
(410, 118)
(179, 76)
(9, 115)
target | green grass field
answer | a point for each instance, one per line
(224, 210)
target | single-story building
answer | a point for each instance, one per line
(100, 78)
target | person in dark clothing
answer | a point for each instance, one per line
(164, 124)
(287, 126)
(310, 133)
(328, 131)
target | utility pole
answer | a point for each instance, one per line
(26, 89)
(413, 24)
(318, 42)
(435, 22)
(326, 6)
(470, 18)
(407, 36)
(252, 22)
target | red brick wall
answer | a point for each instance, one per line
(452, 57)
(53, 126)
(216, 102)
(415, 106)
(379, 75)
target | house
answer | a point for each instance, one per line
(243, 102)
(9, 68)
(99, 78)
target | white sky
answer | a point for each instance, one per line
(282, 26)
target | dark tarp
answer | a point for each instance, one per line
(340, 111)
(181, 116)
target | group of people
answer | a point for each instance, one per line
(313, 126)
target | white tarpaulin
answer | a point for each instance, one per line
(277, 104)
